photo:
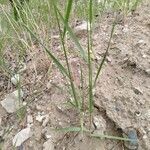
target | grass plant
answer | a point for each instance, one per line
(24, 30)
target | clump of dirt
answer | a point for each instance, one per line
(121, 96)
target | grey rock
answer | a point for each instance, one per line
(100, 124)
(48, 145)
(137, 90)
(22, 136)
(11, 103)
(131, 134)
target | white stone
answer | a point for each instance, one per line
(141, 41)
(148, 71)
(55, 37)
(40, 117)
(145, 137)
(144, 56)
(48, 145)
(11, 103)
(29, 120)
(82, 27)
(24, 103)
(108, 59)
(125, 29)
(21, 137)
(100, 124)
(45, 121)
(38, 107)
(48, 136)
(15, 79)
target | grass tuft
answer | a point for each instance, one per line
(32, 24)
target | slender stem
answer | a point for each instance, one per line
(89, 28)
(106, 53)
(67, 62)
(69, 7)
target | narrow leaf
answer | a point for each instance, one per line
(105, 55)
(69, 7)
(70, 129)
(72, 35)
(111, 137)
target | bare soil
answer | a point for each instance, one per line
(122, 94)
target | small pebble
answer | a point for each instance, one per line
(24, 103)
(141, 41)
(48, 136)
(40, 117)
(137, 90)
(144, 56)
(82, 27)
(108, 59)
(45, 121)
(145, 137)
(131, 133)
(29, 120)
(15, 79)
(100, 124)
(148, 71)
(138, 114)
(125, 29)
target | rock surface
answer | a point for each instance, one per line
(48, 145)
(21, 137)
(100, 124)
(11, 103)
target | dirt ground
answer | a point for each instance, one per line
(122, 94)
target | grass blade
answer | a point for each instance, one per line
(70, 129)
(105, 55)
(69, 7)
(90, 17)
(112, 137)
(67, 62)
(72, 35)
